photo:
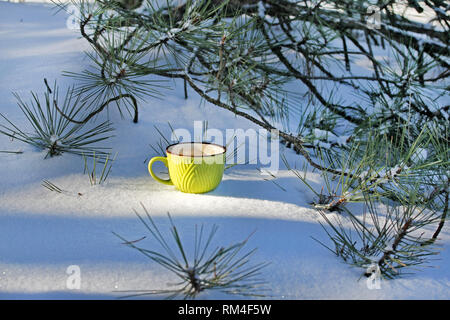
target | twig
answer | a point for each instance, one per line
(101, 108)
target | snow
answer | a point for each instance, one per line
(43, 233)
(330, 137)
(420, 154)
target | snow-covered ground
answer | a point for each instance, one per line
(42, 233)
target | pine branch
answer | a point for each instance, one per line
(101, 108)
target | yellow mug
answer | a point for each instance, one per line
(194, 167)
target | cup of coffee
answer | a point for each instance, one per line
(194, 167)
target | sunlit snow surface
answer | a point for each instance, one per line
(42, 232)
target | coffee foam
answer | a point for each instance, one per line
(196, 149)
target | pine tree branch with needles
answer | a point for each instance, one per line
(222, 49)
(54, 133)
(227, 269)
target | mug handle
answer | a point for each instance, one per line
(150, 164)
